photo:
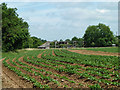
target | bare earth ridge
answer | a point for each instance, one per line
(89, 52)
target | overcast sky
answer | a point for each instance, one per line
(62, 20)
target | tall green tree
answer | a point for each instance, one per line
(80, 42)
(117, 40)
(77, 41)
(37, 41)
(74, 39)
(61, 40)
(14, 29)
(98, 36)
(67, 40)
(28, 43)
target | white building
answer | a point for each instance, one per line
(45, 45)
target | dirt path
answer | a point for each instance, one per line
(88, 52)
(11, 80)
(8, 82)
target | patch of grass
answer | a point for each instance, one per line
(20, 53)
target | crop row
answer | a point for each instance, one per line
(73, 70)
(69, 63)
(24, 76)
(92, 60)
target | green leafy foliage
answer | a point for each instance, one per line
(98, 36)
(14, 29)
(95, 87)
(37, 42)
(15, 34)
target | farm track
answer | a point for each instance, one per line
(7, 81)
(89, 52)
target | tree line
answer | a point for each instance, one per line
(99, 36)
(15, 31)
(74, 42)
(95, 36)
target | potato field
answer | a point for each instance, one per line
(60, 68)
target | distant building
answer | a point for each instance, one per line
(45, 45)
(41, 47)
(62, 42)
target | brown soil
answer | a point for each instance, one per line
(74, 77)
(53, 53)
(39, 56)
(11, 80)
(83, 65)
(88, 52)
(62, 81)
(86, 80)
(2, 59)
(51, 84)
(82, 70)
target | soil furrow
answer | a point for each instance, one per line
(72, 77)
(89, 52)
